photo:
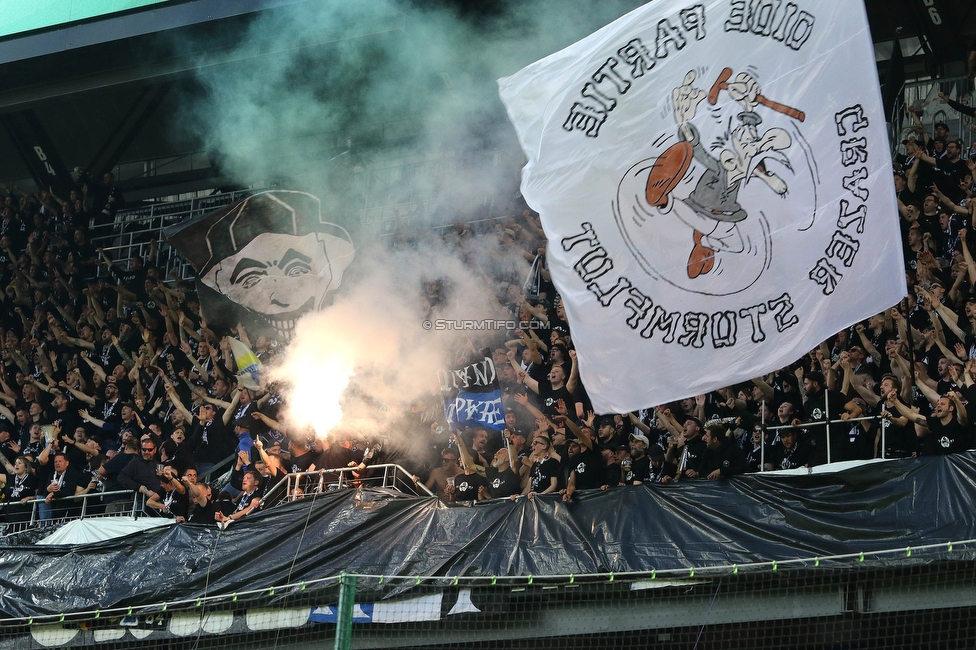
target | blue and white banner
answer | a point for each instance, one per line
(715, 182)
(472, 397)
(422, 608)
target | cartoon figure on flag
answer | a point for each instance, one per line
(267, 260)
(693, 187)
(714, 181)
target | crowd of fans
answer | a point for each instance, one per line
(896, 385)
(112, 383)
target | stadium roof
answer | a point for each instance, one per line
(91, 84)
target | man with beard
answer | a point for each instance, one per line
(820, 405)
(640, 464)
(899, 440)
(479, 447)
(107, 411)
(722, 458)
(943, 432)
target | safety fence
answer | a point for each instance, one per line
(922, 597)
(298, 485)
(922, 97)
(134, 231)
(18, 516)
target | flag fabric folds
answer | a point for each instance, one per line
(715, 182)
(249, 367)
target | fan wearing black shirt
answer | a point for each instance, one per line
(639, 471)
(790, 452)
(203, 509)
(556, 387)
(544, 470)
(947, 427)
(174, 500)
(662, 471)
(586, 465)
(686, 449)
(503, 480)
(471, 484)
(246, 502)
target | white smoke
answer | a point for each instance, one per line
(326, 95)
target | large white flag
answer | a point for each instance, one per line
(716, 186)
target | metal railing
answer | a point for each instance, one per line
(86, 512)
(298, 485)
(923, 96)
(133, 231)
(826, 423)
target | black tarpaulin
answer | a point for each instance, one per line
(755, 518)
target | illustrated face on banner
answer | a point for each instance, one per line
(282, 277)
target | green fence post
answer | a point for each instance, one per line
(347, 598)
